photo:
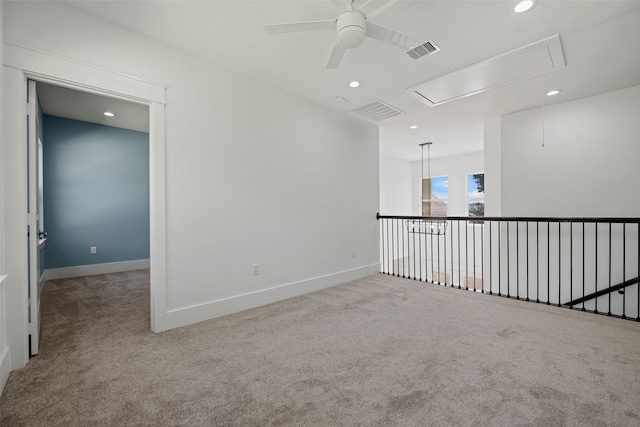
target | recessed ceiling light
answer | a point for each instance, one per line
(354, 84)
(553, 92)
(109, 114)
(413, 127)
(341, 99)
(523, 6)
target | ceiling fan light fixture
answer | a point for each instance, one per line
(350, 28)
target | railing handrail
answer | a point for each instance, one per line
(604, 291)
(615, 220)
(551, 260)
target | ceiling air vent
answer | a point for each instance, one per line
(424, 49)
(378, 110)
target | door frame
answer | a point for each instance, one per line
(20, 65)
(33, 246)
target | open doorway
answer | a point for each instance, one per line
(41, 67)
(96, 182)
(95, 192)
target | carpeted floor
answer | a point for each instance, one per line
(381, 351)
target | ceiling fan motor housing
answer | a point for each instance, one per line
(350, 28)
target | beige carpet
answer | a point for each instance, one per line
(381, 351)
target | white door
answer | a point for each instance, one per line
(33, 232)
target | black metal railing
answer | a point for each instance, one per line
(591, 264)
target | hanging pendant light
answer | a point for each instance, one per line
(426, 226)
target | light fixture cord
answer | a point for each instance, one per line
(544, 95)
(422, 179)
(429, 163)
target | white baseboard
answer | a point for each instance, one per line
(176, 318)
(5, 368)
(90, 270)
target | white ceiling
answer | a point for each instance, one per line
(87, 107)
(599, 39)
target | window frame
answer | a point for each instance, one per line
(470, 199)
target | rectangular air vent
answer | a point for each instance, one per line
(424, 49)
(378, 110)
(525, 62)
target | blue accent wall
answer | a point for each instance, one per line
(96, 193)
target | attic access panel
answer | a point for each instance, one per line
(529, 61)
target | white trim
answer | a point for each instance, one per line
(92, 269)
(5, 355)
(197, 313)
(69, 72)
(21, 63)
(5, 368)
(157, 214)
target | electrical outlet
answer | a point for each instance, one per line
(255, 269)
(93, 250)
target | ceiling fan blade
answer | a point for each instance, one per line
(389, 36)
(371, 8)
(336, 57)
(295, 27)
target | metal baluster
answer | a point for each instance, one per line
(517, 260)
(459, 269)
(431, 244)
(401, 243)
(548, 262)
(571, 261)
(388, 250)
(537, 261)
(508, 262)
(490, 258)
(393, 247)
(426, 256)
(482, 256)
(453, 272)
(444, 243)
(559, 264)
(438, 257)
(474, 256)
(396, 264)
(624, 268)
(527, 261)
(420, 254)
(609, 308)
(382, 243)
(583, 266)
(596, 265)
(499, 257)
(466, 254)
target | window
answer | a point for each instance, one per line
(475, 194)
(435, 194)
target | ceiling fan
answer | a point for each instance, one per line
(351, 26)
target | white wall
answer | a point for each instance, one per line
(254, 175)
(5, 361)
(456, 168)
(588, 165)
(492, 167)
(396, 186)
